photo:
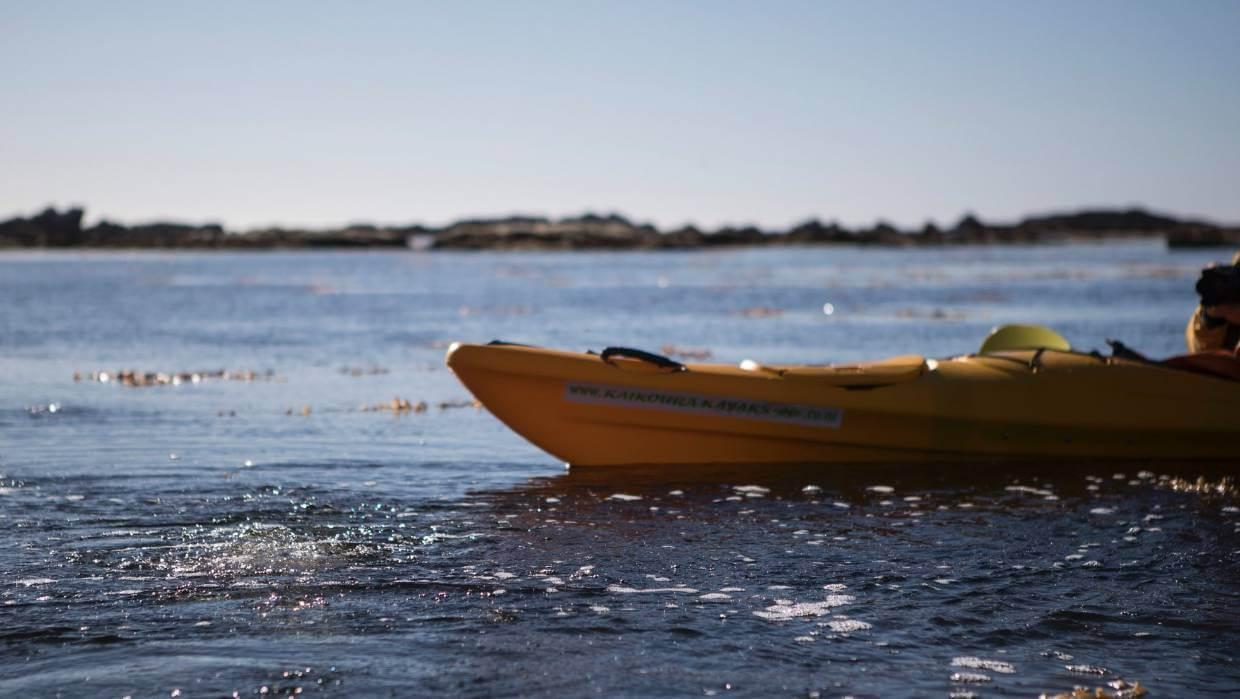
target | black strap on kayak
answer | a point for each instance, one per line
(1121, 351)
(1035, 362)
(641, 355)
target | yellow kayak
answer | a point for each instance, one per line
(627, 407)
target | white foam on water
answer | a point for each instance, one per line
(1029, 490)
(969, 677)
(599, 609)
(804, 639)
(731, 589)
(841, 505)
(714, 597)
(676, 493)
(622, 590)
(624, 497)
(1102, 511)
(753, 491)
(31, 582)
(504, 575)
(1086, 669)
(835, 587)
(881, 489)
(844, 625)
(792, 610)
(811, 489)
(975, 663)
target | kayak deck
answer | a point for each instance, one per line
(592, 410)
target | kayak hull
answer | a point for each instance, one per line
(1009, 406)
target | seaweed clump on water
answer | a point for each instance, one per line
(1116, 689)
(1201, 485)
(397, 405)
(137, 379)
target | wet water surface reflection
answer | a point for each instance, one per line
(324, 511)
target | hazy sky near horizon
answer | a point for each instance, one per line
(671, 112)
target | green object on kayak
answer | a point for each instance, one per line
(1008, 338)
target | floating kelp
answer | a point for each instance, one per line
(1201, 485)
(134, 378)
(356, 371)
(1116, 689)
(945, 314)
(397, 405)
(760, 312)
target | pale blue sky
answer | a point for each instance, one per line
(712, 112)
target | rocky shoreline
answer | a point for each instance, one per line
(64, 229)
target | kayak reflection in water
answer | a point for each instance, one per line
(1215, 325)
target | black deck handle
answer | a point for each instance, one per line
(642, 355)
(1121, 351)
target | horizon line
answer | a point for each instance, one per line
(88, 221)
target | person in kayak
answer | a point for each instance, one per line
(1214, 325)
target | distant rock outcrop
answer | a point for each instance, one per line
(516, 233)
(1203, 237)
(51, 229)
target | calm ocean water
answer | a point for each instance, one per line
(280, 532)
